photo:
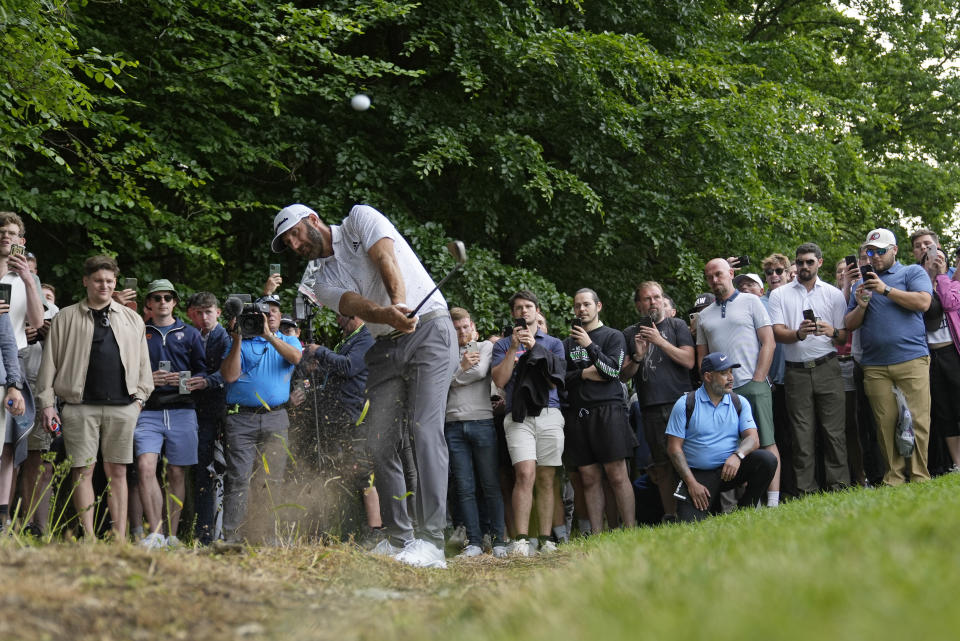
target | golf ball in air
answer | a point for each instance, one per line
(360, 102)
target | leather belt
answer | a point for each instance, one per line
(810, 364)
(429, 316)
(260, 409)
(934, 348)
(844, 358)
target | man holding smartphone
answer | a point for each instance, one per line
(472, 437)
(808, 320)
(660, 356)
(534, 434)
(168, 422)
(598, 435)
(888, 306)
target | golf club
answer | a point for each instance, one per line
(459, 253)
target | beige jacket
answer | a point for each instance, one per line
(66, 354)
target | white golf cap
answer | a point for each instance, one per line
(285, 220)
(881, 238)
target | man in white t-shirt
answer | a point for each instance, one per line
(807, 316)
(738, 325)
(364, 267)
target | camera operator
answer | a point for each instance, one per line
(257, 373)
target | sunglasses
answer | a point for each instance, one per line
(770, 271)
(877, 252)
(161, 297)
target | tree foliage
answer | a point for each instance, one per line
(568, 144)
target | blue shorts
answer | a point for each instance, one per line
(175, 429)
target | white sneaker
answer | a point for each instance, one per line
(173, 543)
(153, 541)
(500, 551)
(548, 547)
(421, 554)
(470, 551)
(519, 547)
(385, 548)
(458, 537)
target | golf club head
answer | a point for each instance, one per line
(458, 251)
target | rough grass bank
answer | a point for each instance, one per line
(866, 564)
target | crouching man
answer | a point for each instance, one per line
(712, 442)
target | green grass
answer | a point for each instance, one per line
(863, 564)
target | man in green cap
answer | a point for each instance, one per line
(169, 418)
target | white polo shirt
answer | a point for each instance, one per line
(18, 305)
(786, 308)
(350, 269)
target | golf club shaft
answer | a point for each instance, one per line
(427, 297)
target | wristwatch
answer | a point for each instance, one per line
(836, 333)
(886, 290)
(633, 357)
(15, 384)
(739, 454)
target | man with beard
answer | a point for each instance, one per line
(807, 316)
(712, 442)
(888, 309)
(598, 436)
(661, 355)
(739, 325)
(365, 268)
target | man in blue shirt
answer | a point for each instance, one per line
(534, 434)
(716, 448)
(257, 372)
(888, 308)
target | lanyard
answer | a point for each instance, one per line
(344, 341)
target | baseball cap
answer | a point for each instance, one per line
(285, 220)
(269, 298)
(162, 285)
(716, 362)
(287, 319)
(742, 277)
(703, 300)
(880, 238)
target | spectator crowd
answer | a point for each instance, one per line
(775, 385)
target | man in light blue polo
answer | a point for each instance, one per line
(257, 372)
(888, 309)
(715, 449)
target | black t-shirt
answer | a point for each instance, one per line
(106, 378)
(607, 352)
(659, 379)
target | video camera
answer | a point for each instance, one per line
(249, 315)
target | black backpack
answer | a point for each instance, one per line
(692, 401)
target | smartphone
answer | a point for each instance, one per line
(851, 261)
(932, 253)
(274, 268)
(519, 322)
(866, 271)
(6, 290)
(743, 261)
(130, 283)
(681, 492)
(473, 347)
(17, 250)
(809, 315)
(646, 321)
(576, 322)
(183, 376)
(164, 366)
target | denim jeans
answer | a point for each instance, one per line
(473, 458)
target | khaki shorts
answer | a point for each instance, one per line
(109, 428)
(40, 438)
(538, 438)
